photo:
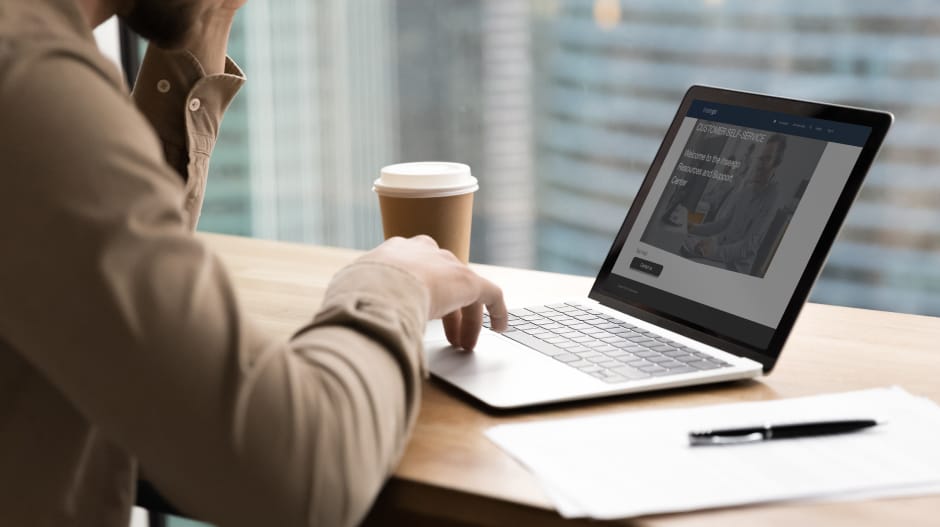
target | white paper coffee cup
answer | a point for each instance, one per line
(433, 198)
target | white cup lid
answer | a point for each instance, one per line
(426, 179)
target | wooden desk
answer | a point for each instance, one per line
(451, 474)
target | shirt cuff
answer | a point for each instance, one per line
(385, 303)
(183, 104)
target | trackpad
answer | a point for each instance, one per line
(492, 354)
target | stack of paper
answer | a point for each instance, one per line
(634, 463)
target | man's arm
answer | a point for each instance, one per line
(184, 104)
(137, 323)
(184, 93)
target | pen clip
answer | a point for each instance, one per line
(710, 439)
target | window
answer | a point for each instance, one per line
(559, 106)
(108, 40)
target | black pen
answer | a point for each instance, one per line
(751, 434)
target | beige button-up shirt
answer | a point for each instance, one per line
(122, 345)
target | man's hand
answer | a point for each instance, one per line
(208, 40)
(457, 294)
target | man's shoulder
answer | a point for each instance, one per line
(33, 32)
(19, 56)
(64, 118)
(61, 87)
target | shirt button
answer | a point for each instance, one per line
(195, 105)
(163, 86)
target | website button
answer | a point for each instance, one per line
(646, 266)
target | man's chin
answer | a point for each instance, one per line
(164, 26)
(163, 40)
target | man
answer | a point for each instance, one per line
(123, 350)
(735, 235)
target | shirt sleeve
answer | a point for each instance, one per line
(185, 108)
(110, 298)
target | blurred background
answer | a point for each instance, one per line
(559, 107)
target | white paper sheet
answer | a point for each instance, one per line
(634, 463)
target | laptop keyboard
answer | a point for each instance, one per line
(602, 346)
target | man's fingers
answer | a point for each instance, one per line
(471, 322)
(492, 297)
(451, 323)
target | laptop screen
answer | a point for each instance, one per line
(727, 222)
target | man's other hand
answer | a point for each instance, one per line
(207, 40)
(457, 294)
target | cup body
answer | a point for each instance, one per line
(429, 198)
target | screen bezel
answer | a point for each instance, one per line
(605, 292)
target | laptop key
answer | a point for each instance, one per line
(540, 309)
(580, 364)
(686, 358)
(663, 373)
(630, 373)
(673, 364)
(704, 365)
(632, 348)
(567, 357)
(541, 333)
(683, 369)
(535, 343)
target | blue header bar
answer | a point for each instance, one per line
(784, 123)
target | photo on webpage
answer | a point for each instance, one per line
(731, 196)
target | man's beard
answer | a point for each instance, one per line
(166, 23)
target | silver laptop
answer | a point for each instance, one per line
(710, 268)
